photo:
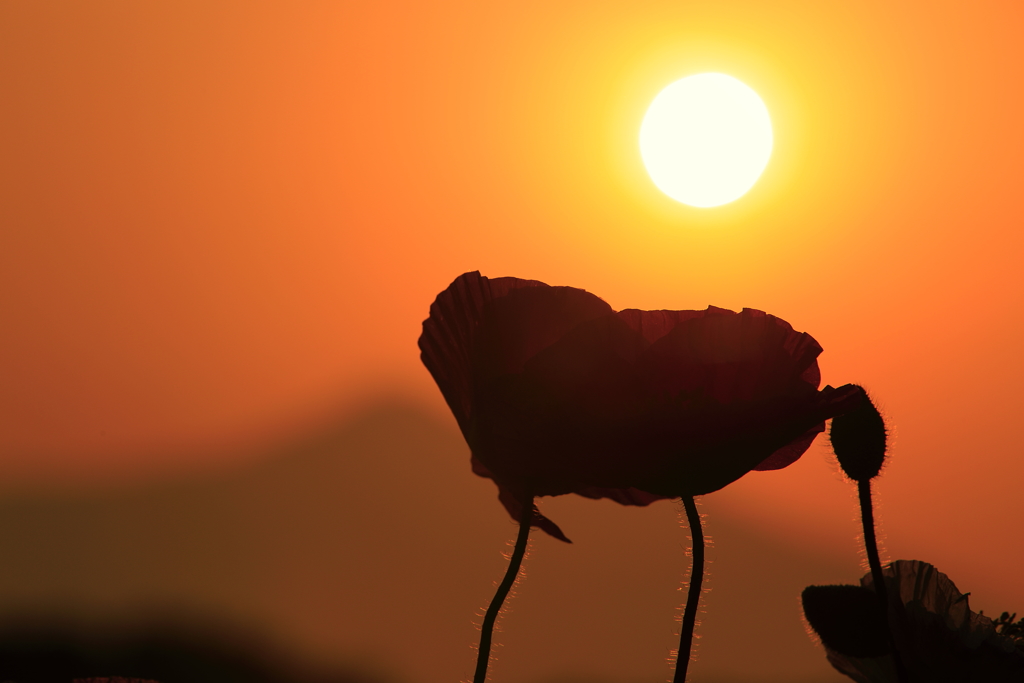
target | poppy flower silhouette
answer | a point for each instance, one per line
(938, 636)
(556, 393)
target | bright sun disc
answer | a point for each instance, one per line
(706, 139)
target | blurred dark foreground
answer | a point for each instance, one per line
(364, 550)
(34, 651)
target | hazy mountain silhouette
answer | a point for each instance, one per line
(362, 553)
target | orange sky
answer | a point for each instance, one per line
(222, 223)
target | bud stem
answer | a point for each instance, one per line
(487, 628)
(867, 517)
(693, 594)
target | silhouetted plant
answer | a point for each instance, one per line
(848, 619)
(859, 439)
(939, 638)
(557, 393)
(1006, 626)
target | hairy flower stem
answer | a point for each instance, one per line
(693, 595)
(487, 629)
(867, 518)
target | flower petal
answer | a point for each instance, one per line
(939, 638)
(653, 325)
(730, 357)
(514, 506)
(791, 452)
(468, 335)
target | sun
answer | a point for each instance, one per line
(706, 139)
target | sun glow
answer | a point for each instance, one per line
(706, 139)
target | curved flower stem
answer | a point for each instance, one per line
(487, 628)
(693, 595)
(867, 518)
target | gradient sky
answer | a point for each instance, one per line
(222, 224)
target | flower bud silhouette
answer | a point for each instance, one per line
(859, 439)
